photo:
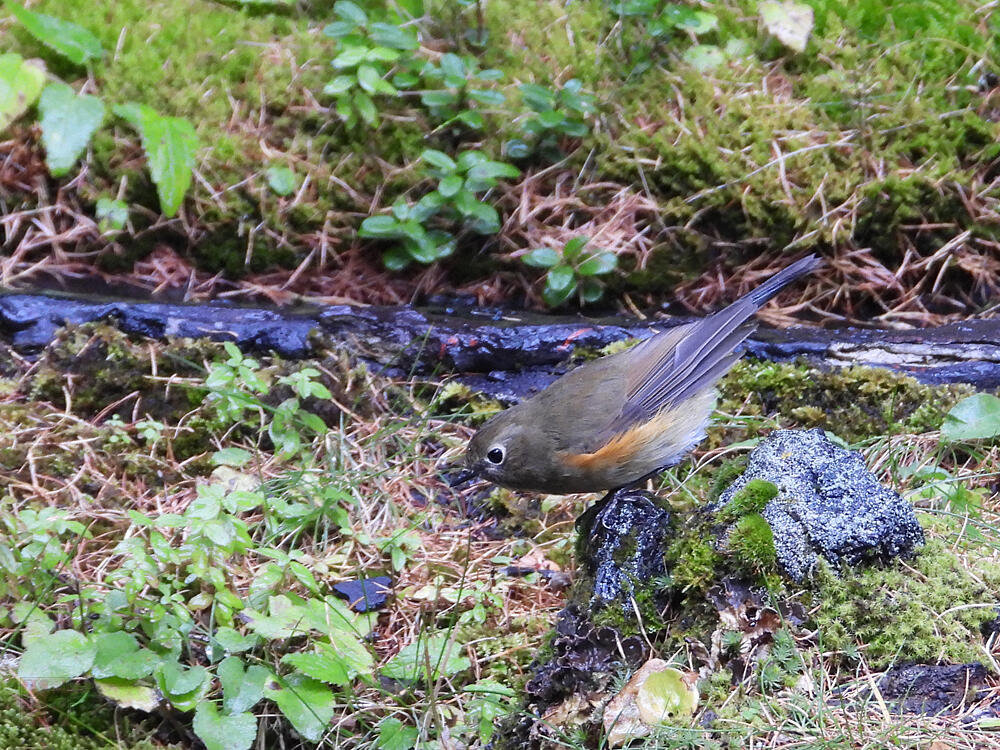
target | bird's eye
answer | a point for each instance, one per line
(496, 455)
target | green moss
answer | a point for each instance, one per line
(853, 402)
(692, 561)
(751, 544)
(929, 609)
(748, 501)
(72, 719)
(724, 476)
(96, 365)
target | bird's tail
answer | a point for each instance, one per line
(783, 278)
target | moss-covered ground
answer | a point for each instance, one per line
(190, 502)
(875, 146)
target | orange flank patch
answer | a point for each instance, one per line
(625, 446)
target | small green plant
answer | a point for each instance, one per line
(367, 50)
(454, 89)
(572, 270)
(454, 201)
(68, 120)
(555, 114)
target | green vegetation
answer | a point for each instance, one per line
(174, 517)
(733, 125)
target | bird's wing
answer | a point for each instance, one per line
(675, 366)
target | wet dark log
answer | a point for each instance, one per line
(507, 354)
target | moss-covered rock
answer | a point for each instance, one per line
(853, 402)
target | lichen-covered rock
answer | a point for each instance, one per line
(828, 504)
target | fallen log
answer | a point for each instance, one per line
(504, 353)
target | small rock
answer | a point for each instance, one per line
(829, 504)
(931, 689)
(365, 594)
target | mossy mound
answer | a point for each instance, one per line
(853, 402)
(926, 610)
(94, 366)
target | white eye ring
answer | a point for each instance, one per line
(496, 455)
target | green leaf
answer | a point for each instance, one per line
(233, 642)
(35, 624)
(241, 690)
(170, 144)
(450, 185)
(307, 704)
(111, 214)
(73, 42)
(326, 667)
(128, 694)
(350, 57)
(471, 118)
(395, 735)
(383, 54)
(20, 84)
(350, 12)
(573, 248)
(486, 220)
(396, 258)
(282, 179)
(339, 29)
(234, 732)
(486, 97)
(444, 657)
(542, 257)
(368, 77)
(973, 418)
(537, 97)
(381, 228)
(790, 22)
(390, 35)
(68, 121)
(556, 297)
(598, 265)
(452, 65)
(184, 687)
(703, 57)
(231, 457)
(339, 85)
(516, 148)
(59, 658)
(492, 169)
(559, 278)
(365, 107)
(439, 159)
(119, 655)
(349, 648)
(592, 290)
(439, 98)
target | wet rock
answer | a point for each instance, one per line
(620, 544)
(931, 689)
(829, 504)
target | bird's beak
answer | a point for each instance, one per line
(460, 478)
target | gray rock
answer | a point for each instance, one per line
(828, 504)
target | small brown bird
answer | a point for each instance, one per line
(618, 419)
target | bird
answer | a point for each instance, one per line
(614, 421)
